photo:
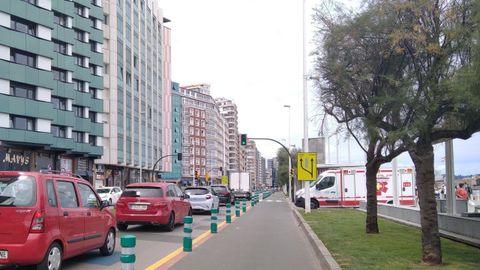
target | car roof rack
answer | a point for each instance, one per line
(62, 173)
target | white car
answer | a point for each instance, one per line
(201, 198)
(109, 194)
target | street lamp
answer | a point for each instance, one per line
(290, 196)
(306, 184)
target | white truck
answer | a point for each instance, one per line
(240, 181)
(346, 187)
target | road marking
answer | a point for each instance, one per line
(272, 200)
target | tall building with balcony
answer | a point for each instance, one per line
(236, 154)
(51, 87)
(204, 135)
(134, 87)
(251, 155)
(175, 171)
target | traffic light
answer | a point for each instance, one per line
(243, 139)
(179, 156)
(196, 175)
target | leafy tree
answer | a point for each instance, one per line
(433, 96)
(282, 157)
(360, 85)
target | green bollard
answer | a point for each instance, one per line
(187, 230)
(228, 216)
(128, 243)
(244, 205)
(213, 225)
(237, 208)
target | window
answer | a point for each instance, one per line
(78, 85)
(78, 136)
(93, 69)
(93, 22)
(52, 199)
(89, 200)
(93, 46)
(105, 68)
(67, 195)
(92, 140)
(59, 131)
(22, 58)
(93, 116)
(59, 103)
(78, 59)
(79, 35)
(78, 110)
(22, 122)
(105, 19)
(22, 90)
(93, 92)
(80, 10)
(60, 19)
(59, 46)
(22, 25)
(326, 182)
(59, 74)
(171, 191)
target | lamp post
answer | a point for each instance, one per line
(290, 196)
(306, 184)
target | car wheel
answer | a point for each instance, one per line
(52, 259)
(109, 244)
(122, 227)
(314, 204)
(171, 223)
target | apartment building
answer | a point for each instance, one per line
(204, 135)
(51, 87)
(135, 82)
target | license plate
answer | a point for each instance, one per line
(138, 207)
(3, 254)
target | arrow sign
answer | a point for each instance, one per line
(307, 166)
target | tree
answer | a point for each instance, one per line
(360, 85)
(282, 157)
(436, 94)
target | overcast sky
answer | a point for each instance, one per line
(250, 51)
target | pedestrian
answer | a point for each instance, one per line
(460, 192)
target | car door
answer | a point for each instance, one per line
(185, 204)
(174, 201)
(95, 222)
(72, 217)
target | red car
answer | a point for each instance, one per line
(48, 217)
(161, 204)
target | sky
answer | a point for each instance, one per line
(251, 51)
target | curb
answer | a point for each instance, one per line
(324, 256)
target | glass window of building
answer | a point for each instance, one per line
(60, 19)
(78, 59)
(22, 122)
(78, 136)
(22, 90)
(80, 10)
(59, 131)
(78, 110)
(92, 140)
(77, 85)
(59, 74)
(59, 103)
(22, 58)
(93, 116)
(59, 46)
(79, 35)
(22, 25)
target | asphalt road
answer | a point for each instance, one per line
(266, 237)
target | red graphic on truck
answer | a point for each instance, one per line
(382, 187)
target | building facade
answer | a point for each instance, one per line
(51, 87)
(134, 88)
(175, 172)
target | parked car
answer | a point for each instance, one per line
(241, 194)
(110, 194)
(47, 217)
(160, 204)
(202, 199)
(223, 193)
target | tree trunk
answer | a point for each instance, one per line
(371, 174)
(422, 157)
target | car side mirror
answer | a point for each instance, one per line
(104, 204)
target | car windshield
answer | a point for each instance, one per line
(143, 192)
(103, 190)
(196, 191)
(17, 191)
(219, 189)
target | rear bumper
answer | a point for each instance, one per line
(201, 206)
(133, 219)
(30, 252)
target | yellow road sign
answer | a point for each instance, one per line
(307, 166)
(224, 180)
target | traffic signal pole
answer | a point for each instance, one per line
(179, 157)
(291, 189)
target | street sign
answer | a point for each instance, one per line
(224, 180)
(307, 166)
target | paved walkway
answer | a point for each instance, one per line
(266, 237)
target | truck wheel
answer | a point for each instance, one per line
(314, 204)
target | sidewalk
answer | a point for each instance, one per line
(268, 236)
